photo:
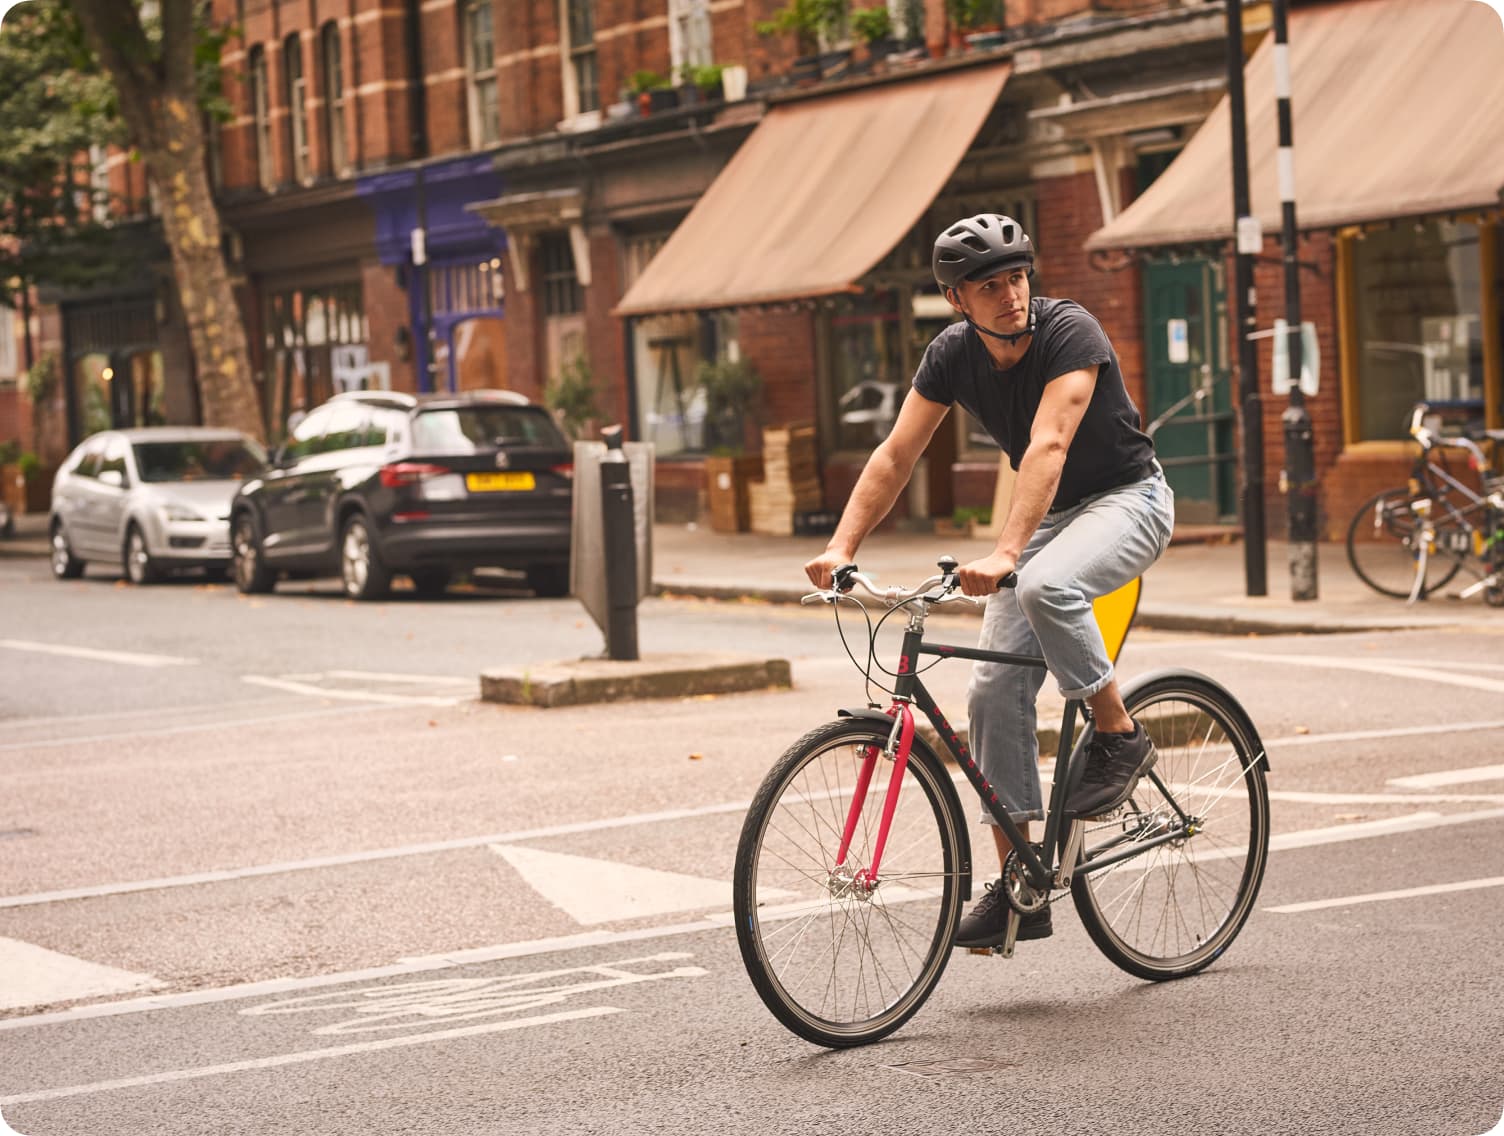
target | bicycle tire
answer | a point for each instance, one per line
(1380, 547)
(1197, 892)
(848, 969)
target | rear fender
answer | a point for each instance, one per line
(1211, 686)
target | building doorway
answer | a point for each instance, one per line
(1190, 406)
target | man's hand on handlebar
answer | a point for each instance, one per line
(983, 577)
(821, 569)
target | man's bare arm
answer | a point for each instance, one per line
(886, 473)
(1055, 424)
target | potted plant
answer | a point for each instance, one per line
(571, 396)
(653, 91)
(731, 390)
(971, 19)
(810, 22)
(704, 80)
(874, 27)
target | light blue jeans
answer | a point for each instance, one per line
(1074, 556)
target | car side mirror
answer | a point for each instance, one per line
(113, 477)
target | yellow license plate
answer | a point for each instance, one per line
(498, 482)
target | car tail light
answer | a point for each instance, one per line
(564, 469)
(409, 473)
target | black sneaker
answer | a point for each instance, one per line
(986, 924)
(1114, 763)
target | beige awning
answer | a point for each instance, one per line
(1399, 112)
(819, 193)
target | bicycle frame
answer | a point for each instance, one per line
(910, 692)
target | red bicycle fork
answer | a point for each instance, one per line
(867, 877)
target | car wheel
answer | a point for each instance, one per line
(140, 568)
(430, 582)
(365, 576)
(550, 580)
(65, 566)
(251, 573)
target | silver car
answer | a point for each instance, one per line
(151, 500)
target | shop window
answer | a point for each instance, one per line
(561, 285)
(295, 95)
(1418, 307)
(689, 34)
(480, 73)
(867, 364)
(580, 78)
(304, 326)
(261, 117)
(334, 97)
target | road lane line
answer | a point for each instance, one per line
(130, 658)
(284, 1059)
(1394, 669)
(415, 679)
(349, 695)
(716, 921)
(1380, 896)
(1449, 777)
(223, 724)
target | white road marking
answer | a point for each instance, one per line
(34, 976)
(1395, 668)
(284, 1059)
(602, 891)
(130, 658)
(222, 724)
(588, 939)
(1449, 777)
(1390, 732)
(1380, 896)
(381, 676)
(350, 695)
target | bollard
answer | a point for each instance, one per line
(618, 520)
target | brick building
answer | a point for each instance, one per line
(559, 186)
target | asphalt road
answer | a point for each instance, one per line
(268, 866)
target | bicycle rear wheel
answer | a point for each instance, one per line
(837, 964)
(1383, 546)
(1173, 908)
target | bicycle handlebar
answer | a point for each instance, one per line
(1428, 438)
(847, 577)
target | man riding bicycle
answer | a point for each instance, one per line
(1090, 511)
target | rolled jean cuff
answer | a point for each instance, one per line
(1087, 691)
(1017, 817)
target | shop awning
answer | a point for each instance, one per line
(1399, 112)
(819, 193)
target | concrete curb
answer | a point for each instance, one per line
(582, 681)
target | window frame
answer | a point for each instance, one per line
(261, 116)
(481, 92)
(295, 92)
(331, 59)
(578, 56)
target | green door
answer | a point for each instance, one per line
(1190, 411)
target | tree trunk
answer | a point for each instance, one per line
(159, 103)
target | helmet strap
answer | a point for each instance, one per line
(1010, 336)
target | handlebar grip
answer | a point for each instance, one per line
(1008, 581)
(841, 577)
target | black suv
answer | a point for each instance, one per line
(375, 483)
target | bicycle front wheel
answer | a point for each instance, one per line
(1383, 547)
(1175, 906)
(836, 961)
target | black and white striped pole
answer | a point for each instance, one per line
(1299, 477)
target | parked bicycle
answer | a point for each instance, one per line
(1411, 542)
(854, 859)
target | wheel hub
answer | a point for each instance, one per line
(847, 884)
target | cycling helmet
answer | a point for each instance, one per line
(980, 246)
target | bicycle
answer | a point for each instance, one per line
(848, 890)
(1411, 542)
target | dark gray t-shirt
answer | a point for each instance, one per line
(1109, 449)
